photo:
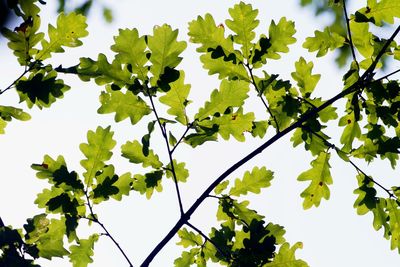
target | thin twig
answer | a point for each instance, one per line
(261, 96)
(387, 76)
(107, 233)
(227, 256)
(182, 137)
(171, 161)
(349, 33)
(361, 82)
(15, 81)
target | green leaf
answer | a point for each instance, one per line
(180, 171)
(36, 227)
(103, 72)
(305, 80)
(204, 31)
(134, 152)
(3, 125)
(328, 113)
(186, 259)
(97, 151)
(124, 105)
(50, 244)
(320, 177)
(247, 215)
(25, 37)
(366, 200)
(382, 11)
(41, 89)
(221, 187)
(277, 232)
(7, 113)
(189, 239)
(107, 14)
(234, 124)
(350, 132)
(145, 184)
(81, 254)
(286, 257)
(70, 28)
(243, 24)
(280, 37)
(131, 49)
(224, 68)
(259, 128)
(165, 51)
(252, 182)
(176, 99)
(323, 41)
(394, 222)
(362, 38)
(230, 94)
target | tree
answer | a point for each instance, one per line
(143, 82)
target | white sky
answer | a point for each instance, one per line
(333, 235)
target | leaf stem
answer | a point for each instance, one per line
(171, 161)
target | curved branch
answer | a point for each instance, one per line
(361, 82)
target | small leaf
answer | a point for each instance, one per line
(230, 94)
(280, 37)
(252, 182)
(189, 239)
(243, 23)
(133, 151)
(350, 132)
(221, 187)
(124, 105)
(97, 151)
(145, 184)
(305, 80)
(70, 28)
(81, 254)
(165, 50)
(382, 11)
(323, 41)
(320, 178)
(41, 89)
(286, 257)
(176, 99)
(180, 171)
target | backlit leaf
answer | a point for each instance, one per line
(180, 171)
(280, 37)
(224, 68)
(286, 257)
(320, 177)
(230, 94)
(189, 239)
(81, 254)
(130, 49)
(124, 105)
(323, 41)
(351, 131)
(381, 11)
(176, 99)
(41, 89)
(70, 28)
(305, 80)
(165, 50)
(252, 182)
(134, 152)
(97, 151)
(145, 184)
(50, 244)
(243, 24)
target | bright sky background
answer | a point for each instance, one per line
(333, 234)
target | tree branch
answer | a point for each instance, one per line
(387, 76)
(182, 137)
(171, 161)
(360, 83)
